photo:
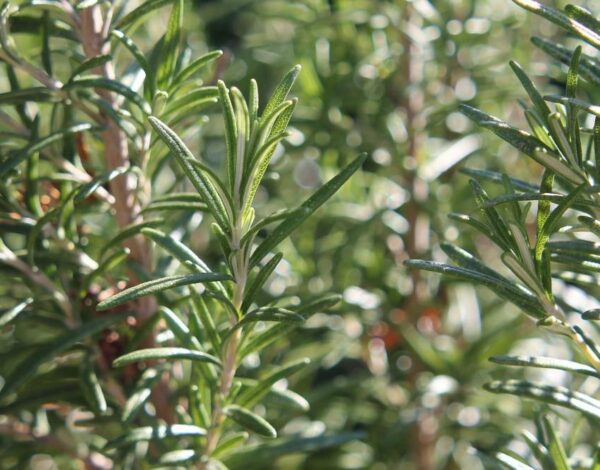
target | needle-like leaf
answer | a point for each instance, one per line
(288, 225)
(200, 181)
(165, 353)
(251, 421)
(159, 285)
(160, 432)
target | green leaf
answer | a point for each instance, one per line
(140, 395)
(223, 241)
(270, 314)
(176, 206)
(477, 225)
(196, 65)
(540, 130)
(575, 102)
(553, 395)
(178, 197)
(35, 94)
(499, 178)
(562, 20)
(177, 458)
(596, 463)
(523, 251)
(130, 231)
(170, 47)
(185, 255)
(91, 386)
(551, 223)
(204, 318)
(42, 5)
(320, 304)
(279, 330)
(242, 119)
(543, 213)
(266, 453)
(139, 12)
(281, 91)
(28, 368)
(262, 158)
(288, 225)
(588, 68)
(195, 98)
(89, 188)
(83, 4)
(572, 117)
(136, 52)
(165, 353)
(514, 294)
(266, 337)
(9, 315)
(583, 16)
(256, 284)
(287, 399)
(178, 201)
(557, 451)
(546, 363)
(230, 442)
(511, 462)
(466, 260)
(159, 285)
(494, 219)
(46, 52)
(231, 133)
(531, 90)
(87, 82)
(160, 432)
(90, 64)
(253, 103)
(528, 277)
(127, 122)
(588, 346)
(593, 314)
(552, 163)
(220, 188)
(538, 449)
(200, 181)
(262, 224)
(179, 329)
(521, 140)
(253, 395)
(251, 421)
(26, 24)
(40, 144)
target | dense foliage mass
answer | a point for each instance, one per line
(203, 270)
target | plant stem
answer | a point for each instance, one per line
(116, 151)
(240, 276)
(94, 37)
(412, 102)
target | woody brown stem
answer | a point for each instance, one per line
(94, 28)
(412, 102)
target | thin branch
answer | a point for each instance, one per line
(34, 72)
(8, 257)
(94, 38)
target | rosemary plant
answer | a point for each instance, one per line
(547, 233)
(216, 348)
(87, 147)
